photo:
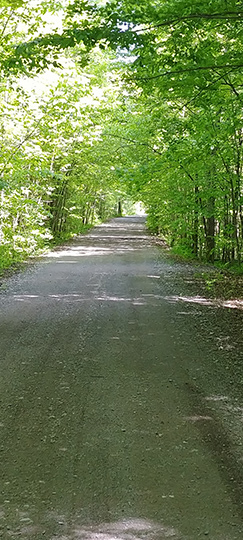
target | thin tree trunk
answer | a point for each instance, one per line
(195, 224)
(210, 237)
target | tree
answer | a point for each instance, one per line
(179, 105)
(57, 175)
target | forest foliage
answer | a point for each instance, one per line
(103, 101)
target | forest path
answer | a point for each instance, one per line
(121, 397)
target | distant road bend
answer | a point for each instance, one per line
(121, 397)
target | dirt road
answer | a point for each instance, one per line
(121, 397)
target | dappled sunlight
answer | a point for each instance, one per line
(65, 297)
(231, 410)
(198, 418)
(217, 302)
(129, 529)
(114, 237)
(113, 299)
(23, 296)
(92, 251)
(134, 301)
(186, 313)
(156, 296)
(106, 239)
(142, 300)
(190, 299)
(216, 398)
(223, 343)
(112, 225)
(234, 303)
(79, 251)
(76, 297)
(225, 402)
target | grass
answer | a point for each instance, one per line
(219, 280)
(223, 283)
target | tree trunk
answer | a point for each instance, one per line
(210, 236)
(119, 213)
(195, 224)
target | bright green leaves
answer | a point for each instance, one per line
(13, 4)
(177, 36)
(160, 118)
(57, 173)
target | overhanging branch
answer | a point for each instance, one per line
(226, 15)
(133, 142)
(191, 69)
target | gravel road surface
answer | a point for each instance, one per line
(121, 403)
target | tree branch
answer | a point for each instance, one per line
(6, 24)
(229, 83)
(15, 150)
(134, 142)
(191, 69)
(227, 15)
(205, 88)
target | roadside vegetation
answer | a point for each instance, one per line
(106, 103)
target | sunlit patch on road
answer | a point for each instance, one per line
(173, 299)
(216, 398)
(234, 304)
(130, 529)
(198, 418)
(79, 252)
